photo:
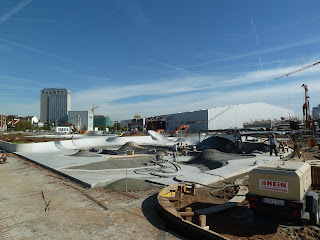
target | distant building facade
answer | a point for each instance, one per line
(55, 104)
(149, 123)
(133, 124)
(31, 119)
(316, 112)
(101, 122)
(228, 117)
(3, 123)
(81, 119)
(62, 129)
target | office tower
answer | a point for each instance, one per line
(55, 104)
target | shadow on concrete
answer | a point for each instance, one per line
(218, 143)
(241, 222)
(317, 157)
(150, 211)
(59, 145)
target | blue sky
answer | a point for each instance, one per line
(158, 57)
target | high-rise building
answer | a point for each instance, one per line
(101, 122)
(55, 104)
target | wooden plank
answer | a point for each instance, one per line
(240, 197)
(186, 214)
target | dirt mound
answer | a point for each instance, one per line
(133, 185)
(207, 160)
(131, 146)
(133, 134)
(84, 153)
(211, 159)
(22, 138)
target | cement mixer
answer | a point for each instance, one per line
(282, 188)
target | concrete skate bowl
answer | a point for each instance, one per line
(219, 143)
(157, 136)
(118, 162)
(133, 146)
(119, 141)
(223, 144)
(210, 159)
(175, 220)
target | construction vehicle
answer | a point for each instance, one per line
(161, 131)
(282, 188)
(182, 127)
(4, 157)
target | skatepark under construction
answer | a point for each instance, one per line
(99, 169)
(96, 161)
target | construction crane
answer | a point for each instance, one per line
(305, 108)
(93, 108)
(298, 70)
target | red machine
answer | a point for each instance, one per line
(182, 127)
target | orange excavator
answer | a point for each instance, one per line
(161, 131)
(182, 127)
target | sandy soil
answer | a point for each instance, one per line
(74, 212)
(239, 223)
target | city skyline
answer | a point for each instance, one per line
(153, 58)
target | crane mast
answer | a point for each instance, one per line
(306, 107)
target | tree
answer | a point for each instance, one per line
(23, 126)
(139, 127)
(19, 126)
(117, 126)
(84, 128)
(47, 126)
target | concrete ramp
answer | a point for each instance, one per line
(119, 141)
(157, 136)
(81, 143)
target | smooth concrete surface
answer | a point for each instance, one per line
(60, 162)
(233, 168)
(56, 156)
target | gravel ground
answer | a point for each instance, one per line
(74, 212)
(84, 153)
(118, 162)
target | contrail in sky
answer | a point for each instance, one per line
(173, 67)
(18, 79)
(36, 50)
(255, 31)
(260, 63)
(244, 55)
(14, 10)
